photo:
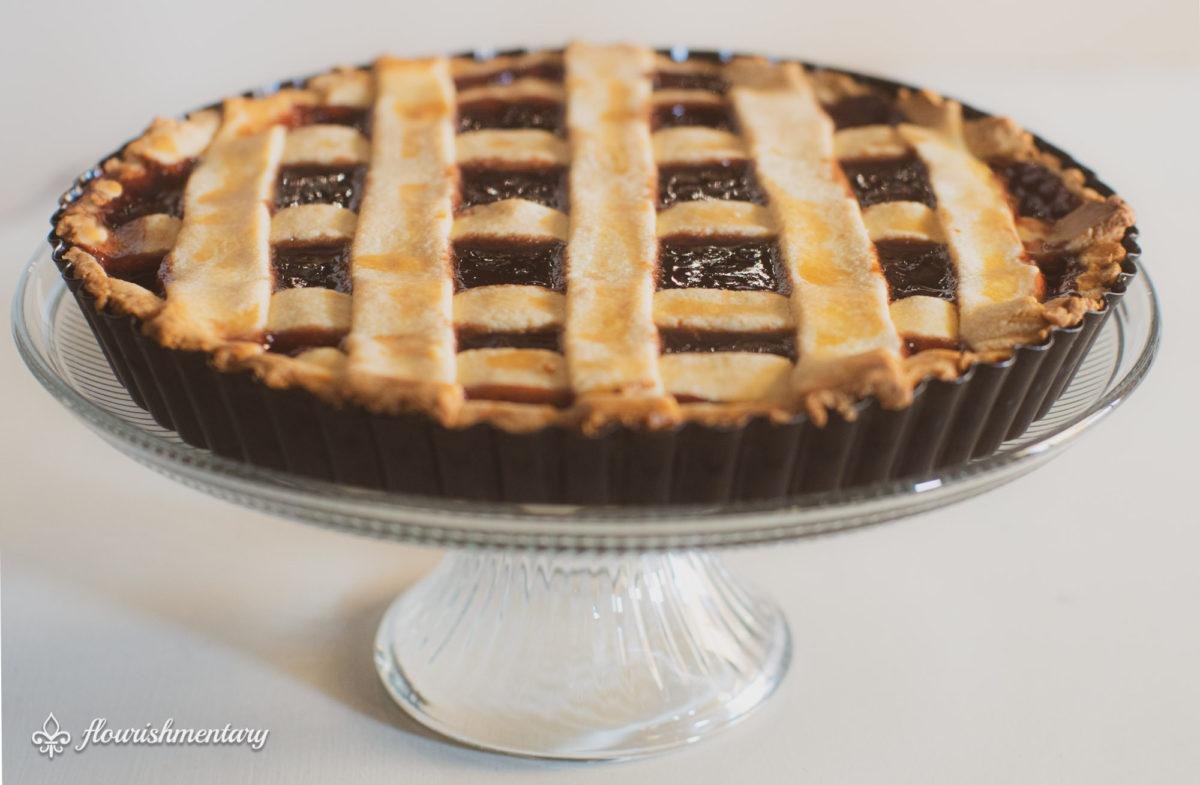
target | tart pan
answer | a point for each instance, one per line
(948, 422)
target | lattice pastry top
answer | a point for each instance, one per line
(598, 235)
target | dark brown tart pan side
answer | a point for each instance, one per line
(235, 416)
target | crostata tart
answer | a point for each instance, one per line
(601, 274)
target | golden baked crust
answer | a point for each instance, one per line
(393, 334)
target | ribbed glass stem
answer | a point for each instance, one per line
(582, 656)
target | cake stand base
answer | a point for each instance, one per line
(580, 657)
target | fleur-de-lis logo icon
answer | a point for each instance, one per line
(51, 739)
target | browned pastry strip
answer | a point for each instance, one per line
(846, 342)
(218, 277)
(401, 342)
(997, 286)
(610, 338)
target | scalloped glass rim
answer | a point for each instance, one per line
(42, 292)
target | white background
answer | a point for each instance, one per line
(1046, 632)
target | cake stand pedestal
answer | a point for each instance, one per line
(588, 656)
(570, 632)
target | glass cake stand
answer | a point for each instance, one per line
(560, 631)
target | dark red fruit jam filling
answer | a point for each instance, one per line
(296, 341)
(514, 394)
(892, 180)
(543, 339)
(321, 266)
(915, 344)
(1060, 273)
(551, 72)
(350, 116)
(142, 270)
(666, 80)
(729, 180)
(545, 185)
(1038, 192)
(733, 265)
(707, 115)
(915, 267)
(485, 263)
(308, 184)
(527, 113)
(159, 192)
(860, 110)
(781, 343)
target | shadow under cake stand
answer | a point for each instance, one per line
(570, 632)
